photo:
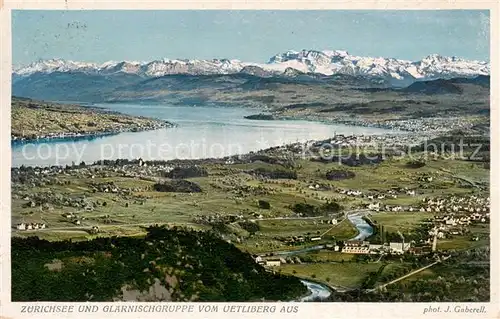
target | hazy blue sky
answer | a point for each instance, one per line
(98, 36)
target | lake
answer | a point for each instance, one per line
(202, 132)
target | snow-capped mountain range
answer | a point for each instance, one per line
(306, 61)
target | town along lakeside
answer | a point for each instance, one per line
(422, 209)
(47, 121)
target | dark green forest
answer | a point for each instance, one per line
(190, 265)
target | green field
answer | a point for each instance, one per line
(292, 227)
(460, 242)
(402, 221)
(348, 274)
(342, 231)
(231, 190)
(327, 256)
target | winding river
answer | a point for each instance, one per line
(317, 291)
(364, 229)
(320, 291)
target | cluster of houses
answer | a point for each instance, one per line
(365, 247)
(431, 124)
(380, 195)
(297, 240)
(37, 226)
(30, 226)
(456, 219)
(358, 247)
(35, 176)
(273, 261)
(108, 187)
(341, 140)
(476, 208)
(377, 207)
(428, 126)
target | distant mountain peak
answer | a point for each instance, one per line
(290, 63)
(291, 72)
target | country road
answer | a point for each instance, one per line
(407, 275)
(354, 211)
(472, 183)
(86, 227)
(331, 228)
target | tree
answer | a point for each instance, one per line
(264, 204)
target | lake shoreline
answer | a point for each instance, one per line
(42, 121)
(63, 137)
(198, 136)
(347, 122)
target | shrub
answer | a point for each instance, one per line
(275, 173)
(415, 164)
(178, 186)
(264, 204)
(331, 207)
(336, 175)
(249, 226)
(187, 172)
(305, 209)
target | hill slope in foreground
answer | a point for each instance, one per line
(167, 265)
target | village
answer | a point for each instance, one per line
(424, 126)
(456, 207)
(452, 217)
(443, 226)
